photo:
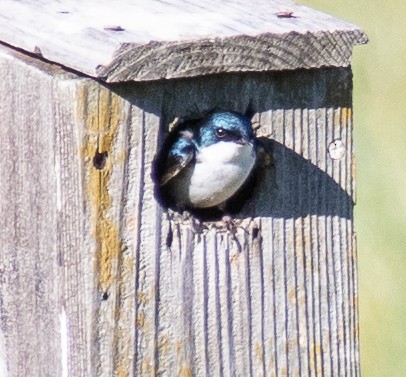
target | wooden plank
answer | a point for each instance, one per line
(3, 355)
(28, 263)
(118, 285)
(303, 303)
(149, 40)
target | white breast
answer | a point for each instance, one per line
(219, 172)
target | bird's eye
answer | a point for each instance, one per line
(220, 132)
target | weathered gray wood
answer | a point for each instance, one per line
(149, 40)
(28, 279)
(92, 283)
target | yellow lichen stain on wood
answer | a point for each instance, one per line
(109, 250)
(353, 167)
(123, 362)
(129, 264)
(234, 259)
(99, 111)
(141, 320)
(346, 116)
(342, 116)
(312, 355)
(147, 368)
(315, 352)
(146, 365)
(126, 273)
(185, 372)
(337, 114)
(259, 352)
(178, 346)
(356, 303)
(292, 296)
(142, 298)
(121, 371)
(164, 345)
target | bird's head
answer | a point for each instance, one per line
(226, 127)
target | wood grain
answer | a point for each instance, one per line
(149, 40)
(29, 281)
(98, 279)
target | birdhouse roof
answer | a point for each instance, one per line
(140, 40)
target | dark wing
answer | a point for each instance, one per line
(181, 153)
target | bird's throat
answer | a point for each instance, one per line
(219, 172)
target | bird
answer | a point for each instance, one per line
(208, 160)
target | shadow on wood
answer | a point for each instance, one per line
(242, 92)
(292, 186)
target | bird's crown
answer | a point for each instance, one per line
(225, 126)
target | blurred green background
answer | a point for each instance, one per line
(380, 146)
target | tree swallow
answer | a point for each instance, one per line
(208, 160)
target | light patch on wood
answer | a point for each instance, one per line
(101, 116)
(64, 342)
(3, 356)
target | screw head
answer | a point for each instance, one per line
(336, 149)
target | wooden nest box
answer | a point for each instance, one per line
(97, 278)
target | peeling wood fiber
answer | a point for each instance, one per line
(89, 238)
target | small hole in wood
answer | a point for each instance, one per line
(99, 160)
(255, 233)
(105, 296)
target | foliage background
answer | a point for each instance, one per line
(380, 145)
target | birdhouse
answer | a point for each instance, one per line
(99, 275)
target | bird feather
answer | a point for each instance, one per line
(180, 156)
